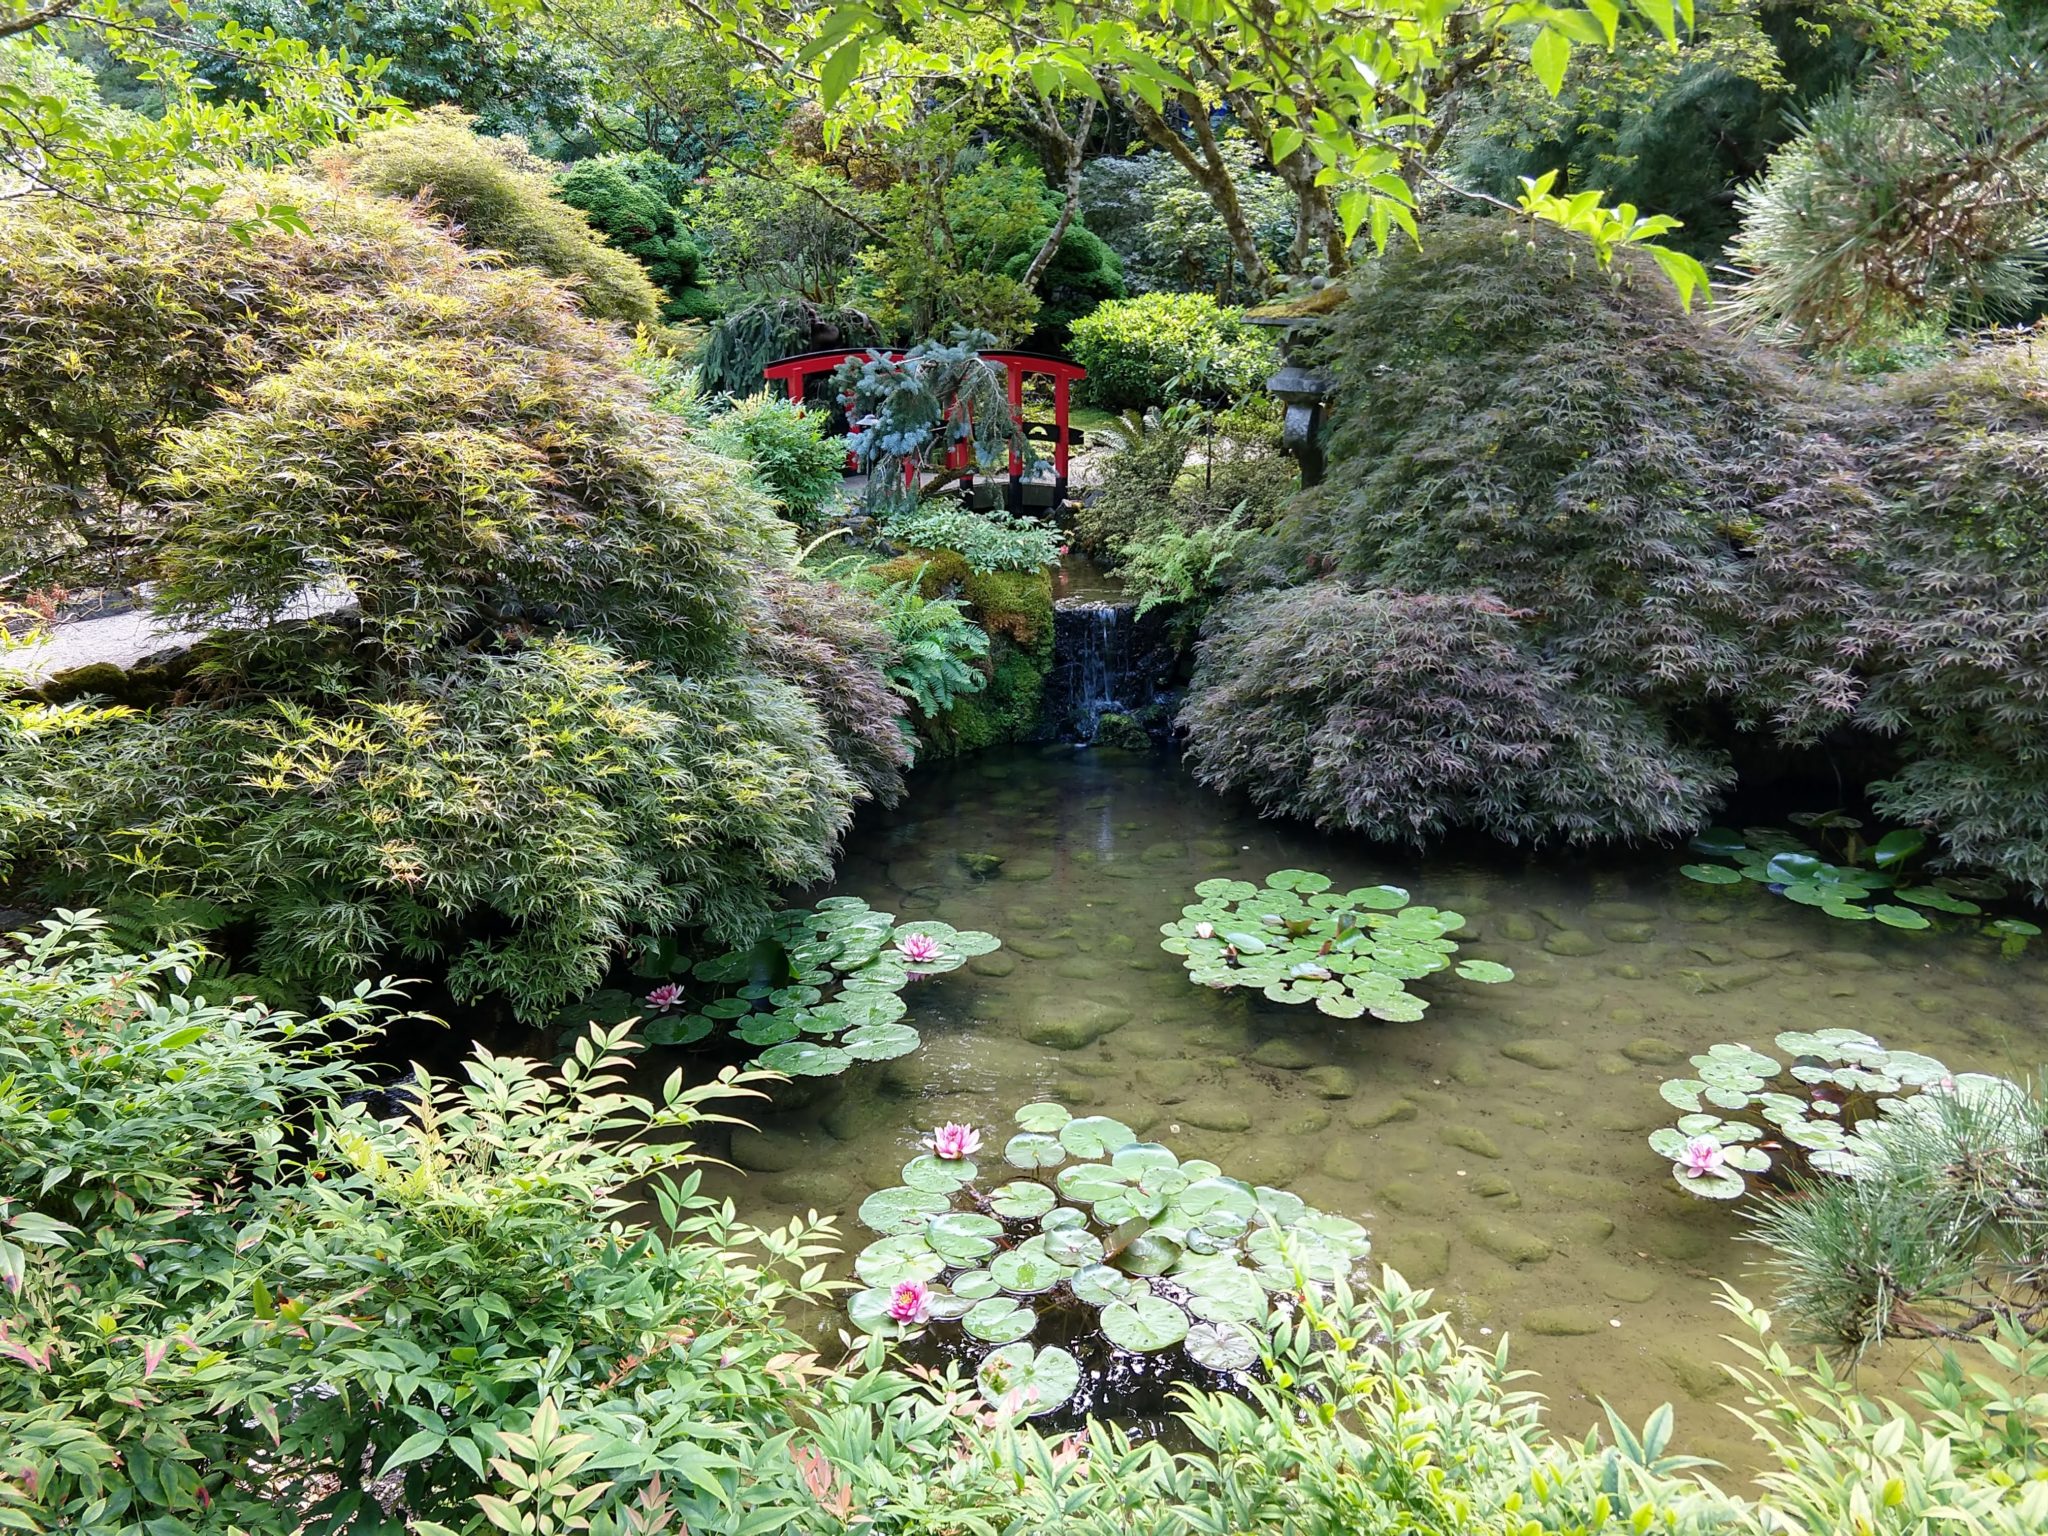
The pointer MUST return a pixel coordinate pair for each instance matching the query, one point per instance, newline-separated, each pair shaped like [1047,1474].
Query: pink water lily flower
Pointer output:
[1702,1156]
[666,996]
[910,1302]
[953,1142]
[918,947]
[1205,930]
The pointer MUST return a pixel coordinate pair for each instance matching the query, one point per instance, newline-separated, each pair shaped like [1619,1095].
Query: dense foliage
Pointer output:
[632,201]
[796,463]
[495,195]
[1161,347]
[504,666]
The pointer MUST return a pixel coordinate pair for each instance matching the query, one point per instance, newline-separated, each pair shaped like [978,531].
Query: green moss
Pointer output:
[1015,609]
[1016,604]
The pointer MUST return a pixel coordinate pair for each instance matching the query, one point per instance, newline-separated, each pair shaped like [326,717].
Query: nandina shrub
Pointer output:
[1404,717]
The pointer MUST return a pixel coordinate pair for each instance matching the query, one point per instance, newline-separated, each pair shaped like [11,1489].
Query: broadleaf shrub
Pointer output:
[1407,716]
[1160,347]
[785,443]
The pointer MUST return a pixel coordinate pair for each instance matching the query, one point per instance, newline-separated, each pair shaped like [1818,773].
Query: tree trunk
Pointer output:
[1070,147]
[1212,175]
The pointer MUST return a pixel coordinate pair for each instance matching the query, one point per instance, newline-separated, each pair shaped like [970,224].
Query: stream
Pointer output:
[1495,1149]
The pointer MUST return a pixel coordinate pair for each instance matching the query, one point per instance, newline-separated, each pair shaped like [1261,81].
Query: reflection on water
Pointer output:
[1496,1149]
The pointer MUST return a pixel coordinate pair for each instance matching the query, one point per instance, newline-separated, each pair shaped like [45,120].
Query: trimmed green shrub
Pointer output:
[1161,347]
[795,462]
[1083,273]
[632,200]
[496,196]
[1404,717]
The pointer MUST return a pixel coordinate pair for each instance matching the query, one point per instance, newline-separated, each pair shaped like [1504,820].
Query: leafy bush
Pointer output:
[1161,347]
[452,52]
[631,200]
[572,695]
[988,541]
[496,196]
[1296,693]
[296,1315]
[797,464]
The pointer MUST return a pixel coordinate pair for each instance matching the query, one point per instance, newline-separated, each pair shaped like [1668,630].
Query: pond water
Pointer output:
[1495,1149]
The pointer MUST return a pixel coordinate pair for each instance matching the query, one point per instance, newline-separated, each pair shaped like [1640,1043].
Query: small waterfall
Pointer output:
[1095,641]
[1104,662]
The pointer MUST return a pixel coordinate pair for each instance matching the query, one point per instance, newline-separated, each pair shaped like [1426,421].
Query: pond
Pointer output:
[1495,1149]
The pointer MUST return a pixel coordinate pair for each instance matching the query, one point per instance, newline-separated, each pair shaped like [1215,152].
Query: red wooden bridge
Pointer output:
[796,370]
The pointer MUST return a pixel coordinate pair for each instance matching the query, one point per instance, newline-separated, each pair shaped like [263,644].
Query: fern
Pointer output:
[937,648]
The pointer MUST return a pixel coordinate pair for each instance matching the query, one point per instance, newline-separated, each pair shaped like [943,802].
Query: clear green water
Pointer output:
[1495,1149]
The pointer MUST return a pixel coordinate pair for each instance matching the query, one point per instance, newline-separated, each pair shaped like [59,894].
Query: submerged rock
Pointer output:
[1513,1244]
[1077,1024]
[982,866]
[1572,943]
[1375,1113]
[1283,1054]
[1651,1052]
[1332,1082]
[1214,1114]
[1563,1322]
[1422,1255]
[1471,1139]
[1544,1055]
[997,962]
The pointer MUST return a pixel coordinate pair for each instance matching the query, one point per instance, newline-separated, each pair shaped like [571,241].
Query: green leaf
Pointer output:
[999,1320]
[1019,1379]
[1711,874]
[1549,56]
[1224,1346]
[1142,1326]
[838,70]
[416,1447]
[1897,847]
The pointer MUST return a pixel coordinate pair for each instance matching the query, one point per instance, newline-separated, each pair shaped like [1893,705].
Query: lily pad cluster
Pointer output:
[1080,1247]
[818,992]
[1749,1114]
[1350,953]
[1861,883]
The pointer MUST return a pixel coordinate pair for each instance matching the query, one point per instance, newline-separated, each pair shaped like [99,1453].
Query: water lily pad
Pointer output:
[1028,1271]
[1099,1285]
[1711,874]
[970,942]
[1226,890]
[805,1058]
[1894,916]
[1720,841]
[963,1236]
[1149,1323]
[1153,1253]
[1028,1149]
[894,1260]
[1710,1186]
[1022,1380]
[1897,847]
[901,1209]
[1072,1246]
[1222,1346]
[880,1042]
[1485,971]
[869,1312]
[1046,1118]
[941,1174]
[1936,900]
[999,1320]
[1224,1293]
[1095,1136]
[974,1285]
[684,1029]
[1022,1200]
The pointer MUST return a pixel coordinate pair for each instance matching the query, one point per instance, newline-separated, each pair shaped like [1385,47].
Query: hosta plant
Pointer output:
[1348,952]
[1053,1262]
[818,992]
[1746,1113]
[1861,882]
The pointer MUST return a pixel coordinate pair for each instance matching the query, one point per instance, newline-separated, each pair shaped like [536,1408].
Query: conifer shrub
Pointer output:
[495,195]
[631,200]
[1083,273]
[1408,716]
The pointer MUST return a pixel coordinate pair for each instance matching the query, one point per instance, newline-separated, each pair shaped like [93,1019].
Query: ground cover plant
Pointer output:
[1095,1247]
[1350,953]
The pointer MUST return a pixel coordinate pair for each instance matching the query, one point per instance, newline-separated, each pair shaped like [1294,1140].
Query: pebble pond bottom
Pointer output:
[1495,1149]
